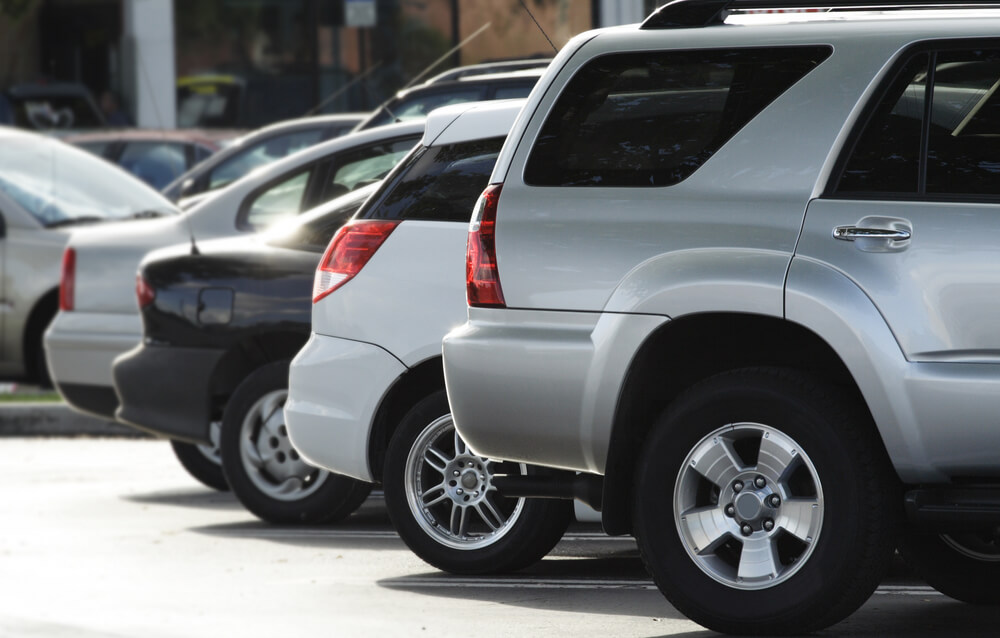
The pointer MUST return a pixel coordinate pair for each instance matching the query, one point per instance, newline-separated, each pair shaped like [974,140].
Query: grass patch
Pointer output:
[33,397]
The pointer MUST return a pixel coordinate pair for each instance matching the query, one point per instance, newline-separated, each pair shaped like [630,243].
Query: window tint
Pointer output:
[886,158]
[263,152]
[512,92]
[439,183]
[364,166]
[283,199]
[960,155]
[651,119]
[156,163]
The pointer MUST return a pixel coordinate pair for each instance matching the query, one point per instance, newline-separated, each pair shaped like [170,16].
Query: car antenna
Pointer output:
[539,26]
[447,54]
[190,228]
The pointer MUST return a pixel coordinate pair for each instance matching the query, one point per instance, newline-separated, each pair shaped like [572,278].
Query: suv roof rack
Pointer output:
[686,14]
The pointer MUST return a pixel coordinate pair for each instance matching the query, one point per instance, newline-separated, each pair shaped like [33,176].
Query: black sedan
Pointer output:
[221,322]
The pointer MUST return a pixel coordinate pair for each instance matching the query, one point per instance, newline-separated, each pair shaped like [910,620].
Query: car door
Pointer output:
[912,214]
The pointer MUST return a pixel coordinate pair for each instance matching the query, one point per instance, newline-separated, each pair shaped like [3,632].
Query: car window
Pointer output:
[156,163]
[512,92]
[263,152]
[653,118]
[959,137]
[279,201]
[439,183]
[363,166]
[315,233]
[97,148]
[416,106]
[60,184]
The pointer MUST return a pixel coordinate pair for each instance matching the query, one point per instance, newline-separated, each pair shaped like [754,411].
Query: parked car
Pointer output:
[100,319]
[486,68]
[255,150]
[366,398]
[154,156]
[219,328]
[421,100]
[48,188]
[47,106]
[733,275]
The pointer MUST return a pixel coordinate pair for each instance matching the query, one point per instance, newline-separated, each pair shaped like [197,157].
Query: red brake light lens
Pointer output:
[144,292]
[67,280]
[482,279]
[348,252]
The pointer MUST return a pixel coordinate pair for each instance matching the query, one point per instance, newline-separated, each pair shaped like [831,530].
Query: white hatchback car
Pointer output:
[99,319]
[366,394]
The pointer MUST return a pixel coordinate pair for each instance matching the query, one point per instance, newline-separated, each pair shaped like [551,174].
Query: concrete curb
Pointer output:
[56,419]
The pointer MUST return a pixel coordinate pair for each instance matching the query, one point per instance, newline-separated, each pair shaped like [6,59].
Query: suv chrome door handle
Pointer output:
[850,233]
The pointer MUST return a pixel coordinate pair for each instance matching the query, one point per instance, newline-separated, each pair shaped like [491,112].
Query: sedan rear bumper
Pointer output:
[167,390]
[335,388]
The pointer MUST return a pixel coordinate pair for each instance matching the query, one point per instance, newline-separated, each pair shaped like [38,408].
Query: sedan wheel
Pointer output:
[265,472]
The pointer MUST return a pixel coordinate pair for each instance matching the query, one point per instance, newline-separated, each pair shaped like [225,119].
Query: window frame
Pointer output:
[865,119]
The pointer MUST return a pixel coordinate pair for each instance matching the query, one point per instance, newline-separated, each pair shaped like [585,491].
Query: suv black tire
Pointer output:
[335,499]
[530,536]
[202,468]
[965,567]
[857,493]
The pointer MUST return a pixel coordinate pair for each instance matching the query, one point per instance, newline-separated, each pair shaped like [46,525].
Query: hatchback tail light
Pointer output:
[67,280]
[482,279]
[348,252]
[144,292]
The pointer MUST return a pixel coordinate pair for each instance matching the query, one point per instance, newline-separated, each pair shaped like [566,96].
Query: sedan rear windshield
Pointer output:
[59,184]
[438,183]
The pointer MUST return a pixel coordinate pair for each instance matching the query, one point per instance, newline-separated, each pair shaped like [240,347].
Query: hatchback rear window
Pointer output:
[653,118]
[440,183]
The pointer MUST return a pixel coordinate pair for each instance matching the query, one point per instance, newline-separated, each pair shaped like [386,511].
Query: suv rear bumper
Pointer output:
[80,348]
[561,376]
[334,388]
[167,390]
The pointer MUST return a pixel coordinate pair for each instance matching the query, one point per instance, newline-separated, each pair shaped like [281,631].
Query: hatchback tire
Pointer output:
[444,507]
[265,472]
[765,504]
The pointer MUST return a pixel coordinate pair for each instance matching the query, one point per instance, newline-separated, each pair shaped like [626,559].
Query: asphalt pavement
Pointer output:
[110,537]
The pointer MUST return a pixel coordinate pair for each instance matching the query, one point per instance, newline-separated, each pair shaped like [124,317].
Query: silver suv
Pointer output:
[741,270]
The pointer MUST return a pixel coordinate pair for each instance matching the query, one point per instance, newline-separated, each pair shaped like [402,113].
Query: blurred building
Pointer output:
[246,63]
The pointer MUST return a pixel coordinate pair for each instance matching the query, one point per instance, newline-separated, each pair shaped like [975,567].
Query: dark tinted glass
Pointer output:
[651,119]
[963,147]
[886,158]
[441,183]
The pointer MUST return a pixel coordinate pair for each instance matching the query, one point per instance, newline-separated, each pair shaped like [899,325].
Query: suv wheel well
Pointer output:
[685,351]
[246,356]
[38,320]
[412,386]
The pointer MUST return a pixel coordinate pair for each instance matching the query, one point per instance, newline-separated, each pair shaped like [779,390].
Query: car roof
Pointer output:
[486,68]
[470,121]
[212,137]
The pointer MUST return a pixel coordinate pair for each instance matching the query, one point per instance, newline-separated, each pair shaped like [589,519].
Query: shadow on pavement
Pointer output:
[195,497]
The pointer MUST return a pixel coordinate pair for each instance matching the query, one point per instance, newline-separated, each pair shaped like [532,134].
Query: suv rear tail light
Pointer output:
[144,292]
[348,252]
[67,280]
[482,279]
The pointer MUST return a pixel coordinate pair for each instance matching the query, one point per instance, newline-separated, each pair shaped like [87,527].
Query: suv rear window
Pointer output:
[439,183]
[653,118]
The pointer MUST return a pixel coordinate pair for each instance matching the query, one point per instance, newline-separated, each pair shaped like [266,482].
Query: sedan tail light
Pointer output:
[482,279]
[348,252]
[67,280]
[144,292]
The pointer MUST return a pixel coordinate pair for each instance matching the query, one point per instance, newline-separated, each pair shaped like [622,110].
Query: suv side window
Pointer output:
[653,118]
[261,153]
[935,131]
[365,165]
[283,199]
[440,183]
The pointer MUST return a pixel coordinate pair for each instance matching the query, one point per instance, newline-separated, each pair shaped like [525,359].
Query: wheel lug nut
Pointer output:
[737,486]
[745,529]
[455,473]
[475,493]
[730,511]
[460,491]
[471,464]
[759,482]
[774,500]
[768,524]
[482,477]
